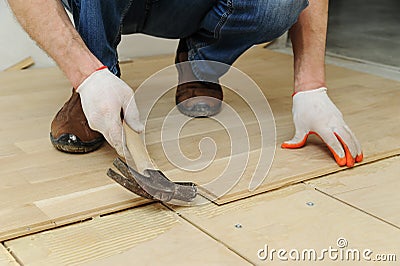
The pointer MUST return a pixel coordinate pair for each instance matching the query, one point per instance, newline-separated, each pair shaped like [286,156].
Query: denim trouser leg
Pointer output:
[99,24]
[216,30]
[233,26]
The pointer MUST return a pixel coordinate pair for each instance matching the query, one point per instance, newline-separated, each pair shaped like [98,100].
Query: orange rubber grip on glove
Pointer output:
[314,113]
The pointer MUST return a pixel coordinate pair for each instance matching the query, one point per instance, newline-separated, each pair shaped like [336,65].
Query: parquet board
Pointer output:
[5,258]
[41,188]
[372,188]
[297,217]
[370,105]
[149,235]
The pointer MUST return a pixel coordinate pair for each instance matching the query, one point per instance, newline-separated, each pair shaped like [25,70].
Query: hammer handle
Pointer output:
[135,144]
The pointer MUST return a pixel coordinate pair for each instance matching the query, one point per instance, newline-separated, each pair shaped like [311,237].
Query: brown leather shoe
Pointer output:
[196,98]
[70,131]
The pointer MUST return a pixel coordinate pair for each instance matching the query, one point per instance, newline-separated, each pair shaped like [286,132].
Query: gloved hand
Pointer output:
[103,96]
[314,113]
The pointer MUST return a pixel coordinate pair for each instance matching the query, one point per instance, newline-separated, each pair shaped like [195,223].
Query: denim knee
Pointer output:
[275,17]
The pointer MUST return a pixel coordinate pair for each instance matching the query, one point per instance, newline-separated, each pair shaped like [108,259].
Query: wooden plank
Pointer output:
[297,217]
[57,195]
[372,188]
[5,257]
[40,179]
[41,188]
[149,235]
[23,64]
[24,219]
[355,94]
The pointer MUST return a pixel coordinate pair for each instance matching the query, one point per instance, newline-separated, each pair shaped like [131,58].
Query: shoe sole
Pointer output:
[69,143]
[200,110]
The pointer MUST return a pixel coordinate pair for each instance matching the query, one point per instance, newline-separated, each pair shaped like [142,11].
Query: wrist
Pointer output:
[81,73]
[319,89]
[90,77]
[78,64]
[309,73]
[307,86]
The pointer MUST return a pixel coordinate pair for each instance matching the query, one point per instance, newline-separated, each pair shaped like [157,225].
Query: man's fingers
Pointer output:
[350,160]
[350,144]
[359,157]
[359,154]
[134,123]
[114,136]
[348,138]
[131,115]
[298,141]
[335,146]
[345,148]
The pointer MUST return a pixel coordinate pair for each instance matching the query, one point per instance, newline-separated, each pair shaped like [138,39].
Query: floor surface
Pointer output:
[356,209]
[351,211]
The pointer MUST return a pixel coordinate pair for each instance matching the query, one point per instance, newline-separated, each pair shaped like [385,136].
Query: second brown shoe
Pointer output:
[70,131]
[195,98]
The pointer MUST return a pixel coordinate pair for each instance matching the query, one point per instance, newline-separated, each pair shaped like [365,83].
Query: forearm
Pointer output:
[308,37]
[48,24]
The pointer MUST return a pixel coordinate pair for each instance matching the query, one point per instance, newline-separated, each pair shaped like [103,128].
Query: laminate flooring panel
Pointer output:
[296,218]
[41,188]
[149,235]
[370,105]
[372,188]
[5,257]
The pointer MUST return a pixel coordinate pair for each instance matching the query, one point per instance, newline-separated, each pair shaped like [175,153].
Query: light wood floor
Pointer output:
[72,214]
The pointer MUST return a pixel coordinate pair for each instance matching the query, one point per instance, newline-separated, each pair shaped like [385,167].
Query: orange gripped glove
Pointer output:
[315,113]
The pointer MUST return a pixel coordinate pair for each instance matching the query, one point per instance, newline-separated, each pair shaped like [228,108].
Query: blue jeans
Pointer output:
[216,30]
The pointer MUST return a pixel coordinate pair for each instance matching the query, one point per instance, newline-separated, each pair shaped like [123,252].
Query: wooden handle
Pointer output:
[135,144]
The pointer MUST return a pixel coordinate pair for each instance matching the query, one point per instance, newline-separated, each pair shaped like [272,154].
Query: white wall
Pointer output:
[15,44]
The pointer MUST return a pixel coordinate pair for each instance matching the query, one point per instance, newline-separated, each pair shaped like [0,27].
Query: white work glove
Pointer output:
[314,113]
[103,96]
